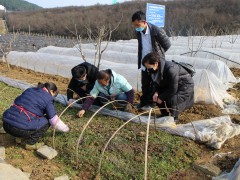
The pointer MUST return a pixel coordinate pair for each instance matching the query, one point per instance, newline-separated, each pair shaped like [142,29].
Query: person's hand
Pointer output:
[159,101]
[113,97]
[155,97]
[81,113]
[70,101]
[128,108]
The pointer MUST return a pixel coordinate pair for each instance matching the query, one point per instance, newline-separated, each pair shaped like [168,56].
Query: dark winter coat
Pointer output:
[75,85]
[160,42]
[36,103]
[174,85]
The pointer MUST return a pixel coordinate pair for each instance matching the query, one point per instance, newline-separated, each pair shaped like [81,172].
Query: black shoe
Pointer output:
[140,105]
[148,106]
[152,105]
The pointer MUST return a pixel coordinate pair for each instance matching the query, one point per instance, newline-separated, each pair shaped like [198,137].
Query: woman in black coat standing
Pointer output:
[173,86]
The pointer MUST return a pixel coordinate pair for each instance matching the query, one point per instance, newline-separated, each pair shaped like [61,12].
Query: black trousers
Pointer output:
[31,136]
[147,93]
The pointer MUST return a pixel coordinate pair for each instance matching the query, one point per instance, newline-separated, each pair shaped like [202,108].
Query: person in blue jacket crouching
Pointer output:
[31,115]
[110,86]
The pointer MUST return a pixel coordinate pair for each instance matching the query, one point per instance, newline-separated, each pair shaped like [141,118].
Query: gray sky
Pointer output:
[61,3]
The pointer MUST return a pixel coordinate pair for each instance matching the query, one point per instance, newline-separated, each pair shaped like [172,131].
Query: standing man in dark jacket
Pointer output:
[83,79]
[150,39]
[173,86]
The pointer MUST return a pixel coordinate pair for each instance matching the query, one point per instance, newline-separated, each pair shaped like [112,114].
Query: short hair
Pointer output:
[103,75]
[78,71]
[139,15]
[151,58]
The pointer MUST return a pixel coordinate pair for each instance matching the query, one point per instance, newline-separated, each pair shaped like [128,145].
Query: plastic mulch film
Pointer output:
[233,175]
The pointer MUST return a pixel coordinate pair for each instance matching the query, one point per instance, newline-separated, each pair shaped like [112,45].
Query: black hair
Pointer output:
[104,74]
[78,71]
[139,15]
[49,86]
[151,58]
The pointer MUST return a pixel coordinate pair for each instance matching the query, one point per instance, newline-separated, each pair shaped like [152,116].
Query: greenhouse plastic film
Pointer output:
[208,88]
[219,68]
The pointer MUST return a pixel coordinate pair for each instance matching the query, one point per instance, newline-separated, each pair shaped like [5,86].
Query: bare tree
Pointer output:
[78,41]
[97,37]
[232,35]
[192,41]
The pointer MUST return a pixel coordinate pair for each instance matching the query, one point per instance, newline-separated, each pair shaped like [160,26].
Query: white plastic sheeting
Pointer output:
[208,88]
[215,41]
[225,46]
[219,68]
[62,65]
[45,63]
[233,175]
[183,46]
[108,55]
[232,108]
[219,55]
[213,132]
[112,46]
[218,40]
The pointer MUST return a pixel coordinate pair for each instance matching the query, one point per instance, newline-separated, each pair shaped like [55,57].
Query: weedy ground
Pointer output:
[124,158]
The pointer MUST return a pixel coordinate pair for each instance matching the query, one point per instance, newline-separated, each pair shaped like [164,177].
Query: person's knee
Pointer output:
[122,96]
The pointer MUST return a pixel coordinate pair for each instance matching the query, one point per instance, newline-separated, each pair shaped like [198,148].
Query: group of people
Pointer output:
[165,84]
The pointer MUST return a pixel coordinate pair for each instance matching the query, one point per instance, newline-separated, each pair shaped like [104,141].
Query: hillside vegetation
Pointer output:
[183,17]
[19,5]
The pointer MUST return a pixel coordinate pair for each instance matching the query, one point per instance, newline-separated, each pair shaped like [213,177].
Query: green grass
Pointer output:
[124,158]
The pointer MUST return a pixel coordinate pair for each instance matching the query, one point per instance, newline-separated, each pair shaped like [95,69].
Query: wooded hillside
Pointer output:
[183,17]
[19,5]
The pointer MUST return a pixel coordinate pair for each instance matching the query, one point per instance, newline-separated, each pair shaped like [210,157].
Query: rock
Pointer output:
[142,134]
[27,174]
[9,172]
[27,169]
[2,131]
[64,177]
[2,152]
[47,152]
[2,161]
[208,168]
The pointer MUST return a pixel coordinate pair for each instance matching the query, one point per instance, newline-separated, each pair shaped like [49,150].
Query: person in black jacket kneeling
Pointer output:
[173,86]
[83,79]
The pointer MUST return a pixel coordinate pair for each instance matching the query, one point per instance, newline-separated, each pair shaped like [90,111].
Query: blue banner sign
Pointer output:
[156,14]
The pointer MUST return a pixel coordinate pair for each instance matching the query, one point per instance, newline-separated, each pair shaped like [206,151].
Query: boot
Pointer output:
[35,146]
